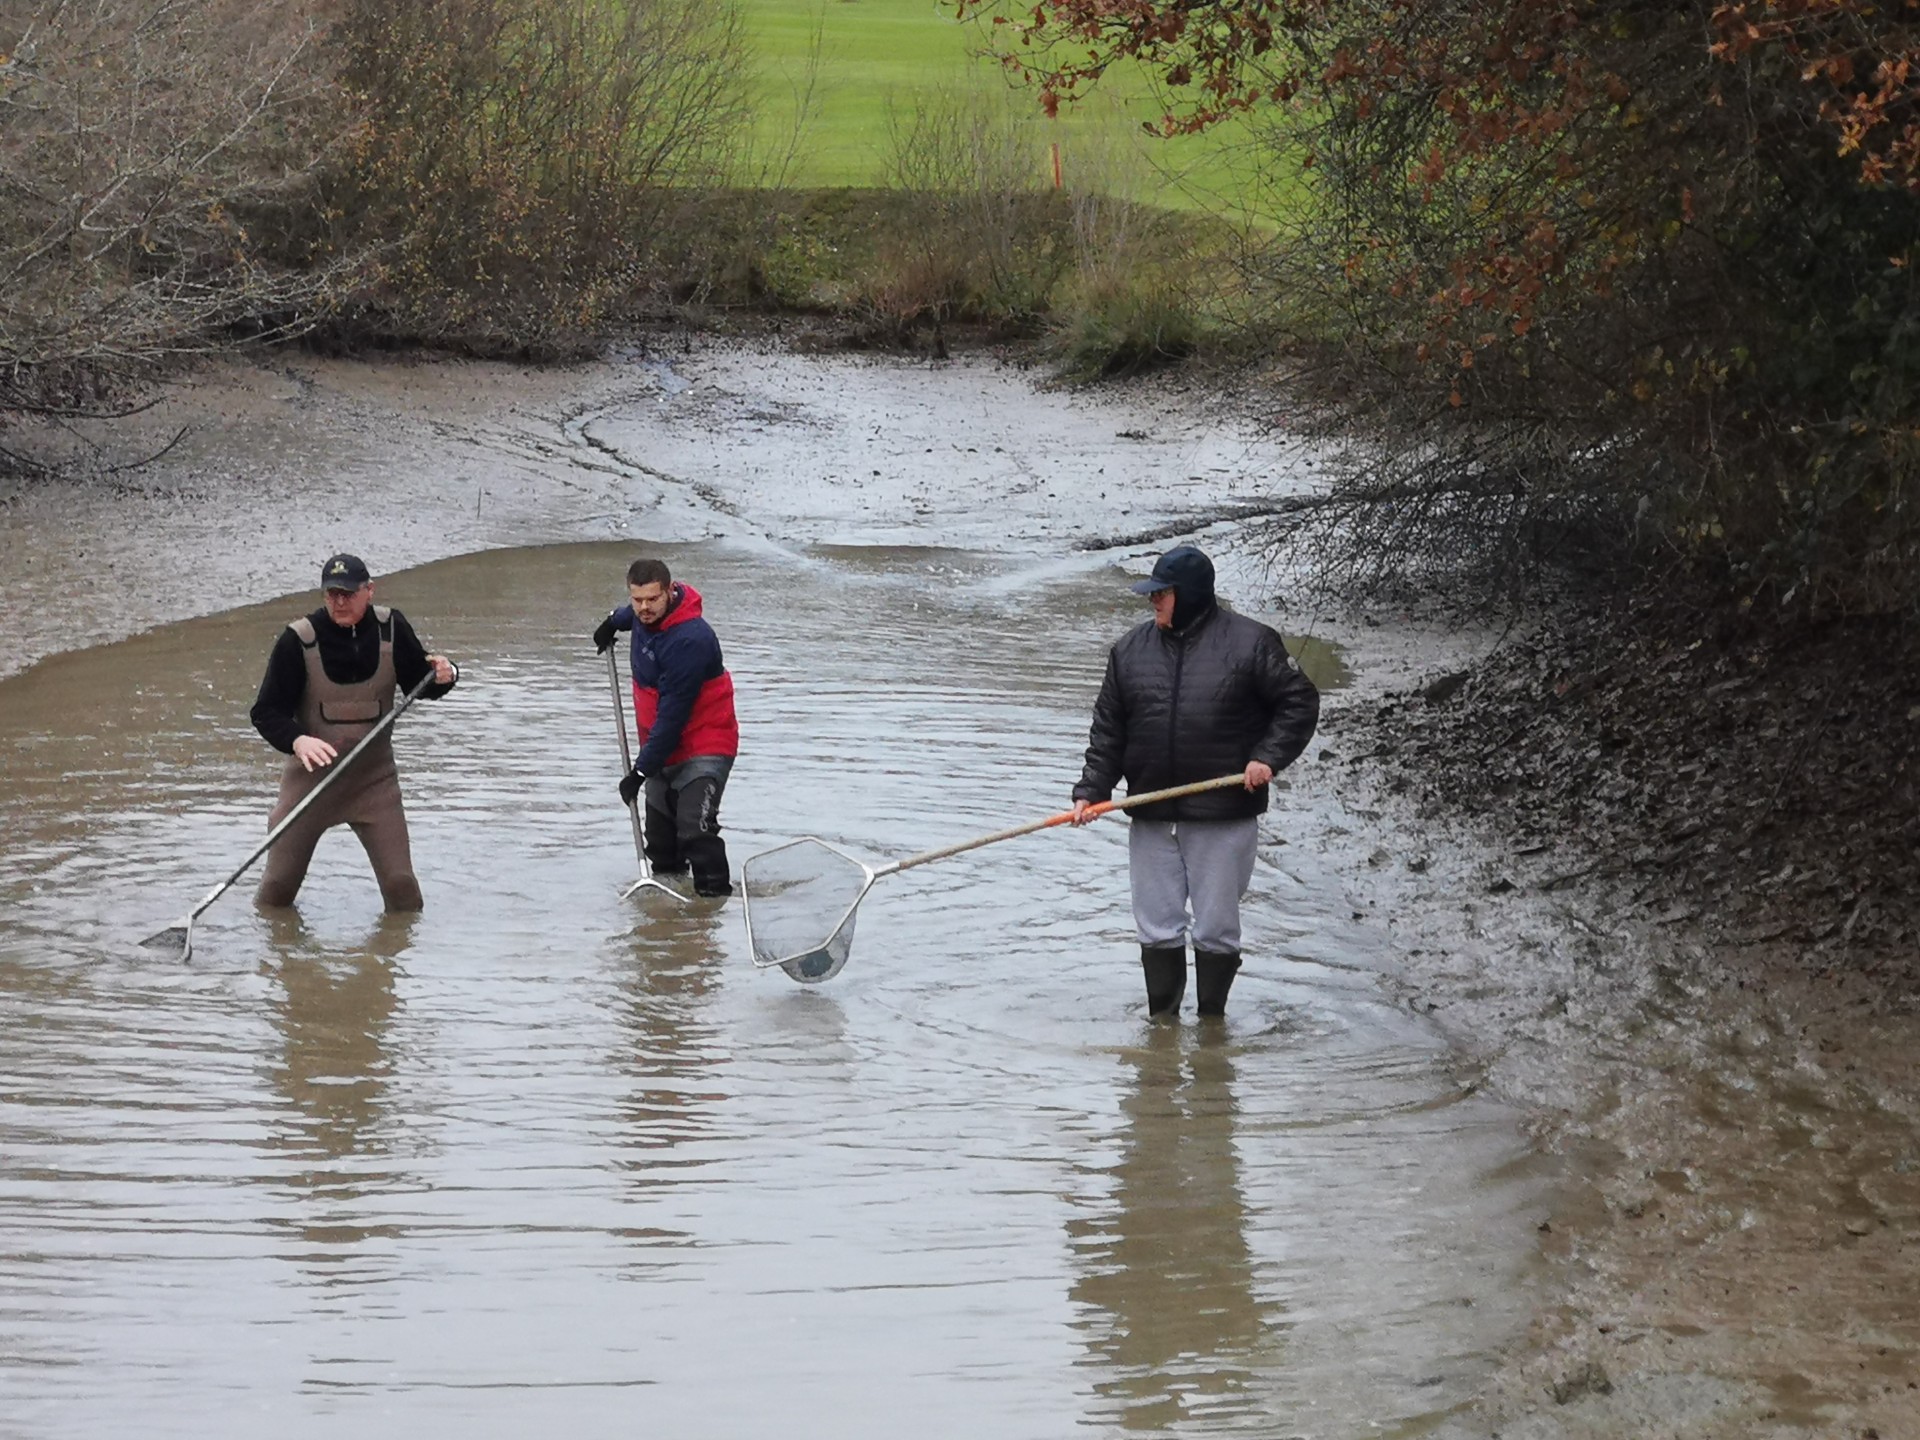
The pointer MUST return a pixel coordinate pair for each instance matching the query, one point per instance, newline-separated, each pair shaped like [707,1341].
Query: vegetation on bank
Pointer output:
[1633,282]
[1098,287]
[1633,279]
[526,177]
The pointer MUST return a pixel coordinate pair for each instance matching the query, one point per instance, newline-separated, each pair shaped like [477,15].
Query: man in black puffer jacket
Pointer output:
[1196,692]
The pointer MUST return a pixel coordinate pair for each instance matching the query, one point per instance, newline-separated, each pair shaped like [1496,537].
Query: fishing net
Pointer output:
[800,901]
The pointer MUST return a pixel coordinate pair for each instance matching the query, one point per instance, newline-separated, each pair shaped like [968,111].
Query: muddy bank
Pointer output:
[1663,880]
[1763,785]
[1735,1256]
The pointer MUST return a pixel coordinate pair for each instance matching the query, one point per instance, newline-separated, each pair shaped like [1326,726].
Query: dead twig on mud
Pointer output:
[1198,520]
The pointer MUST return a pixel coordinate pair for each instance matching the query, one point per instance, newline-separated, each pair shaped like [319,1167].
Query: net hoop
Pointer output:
[808,934]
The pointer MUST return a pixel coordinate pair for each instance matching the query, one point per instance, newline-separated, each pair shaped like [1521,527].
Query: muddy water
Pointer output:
[542,1155]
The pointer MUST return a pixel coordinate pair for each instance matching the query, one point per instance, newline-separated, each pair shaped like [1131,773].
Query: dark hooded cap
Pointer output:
[1189,574]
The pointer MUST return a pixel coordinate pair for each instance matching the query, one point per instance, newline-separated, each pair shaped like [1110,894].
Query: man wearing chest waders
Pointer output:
[689,736]
[1195,692]
[331,675]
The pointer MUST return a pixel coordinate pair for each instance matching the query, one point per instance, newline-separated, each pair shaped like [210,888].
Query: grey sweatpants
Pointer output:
[1200,865]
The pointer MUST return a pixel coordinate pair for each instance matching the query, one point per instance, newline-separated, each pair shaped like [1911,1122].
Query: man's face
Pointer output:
[1163,602]
[347,608]
[650,601]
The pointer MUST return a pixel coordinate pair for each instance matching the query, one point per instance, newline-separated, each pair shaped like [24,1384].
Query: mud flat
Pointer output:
[265,468]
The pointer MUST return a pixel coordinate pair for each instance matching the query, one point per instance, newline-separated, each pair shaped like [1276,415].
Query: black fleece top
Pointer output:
[348,657]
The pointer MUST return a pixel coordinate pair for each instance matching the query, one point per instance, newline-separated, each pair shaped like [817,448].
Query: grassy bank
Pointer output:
[830,81]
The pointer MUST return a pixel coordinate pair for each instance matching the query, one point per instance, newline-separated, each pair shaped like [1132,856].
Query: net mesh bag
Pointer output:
[800,902]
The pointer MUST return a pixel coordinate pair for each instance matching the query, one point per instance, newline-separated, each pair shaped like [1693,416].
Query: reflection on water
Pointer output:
[1167,1273]
[668,1049]
[334,1014]
[542,1155]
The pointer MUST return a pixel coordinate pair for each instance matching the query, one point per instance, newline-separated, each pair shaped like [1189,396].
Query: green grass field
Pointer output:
[866,58]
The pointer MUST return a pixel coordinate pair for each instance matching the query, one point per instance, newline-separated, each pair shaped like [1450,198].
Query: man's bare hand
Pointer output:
[442,669]
[1258,774]
[1082,812]
[312,752]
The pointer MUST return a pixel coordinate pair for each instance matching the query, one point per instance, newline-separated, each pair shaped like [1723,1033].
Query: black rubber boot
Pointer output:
[1166,972]
[697,822]
[1213,972]
[707,854]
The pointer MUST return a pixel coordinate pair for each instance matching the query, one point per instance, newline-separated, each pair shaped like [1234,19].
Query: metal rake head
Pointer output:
[647,882]
[177,938]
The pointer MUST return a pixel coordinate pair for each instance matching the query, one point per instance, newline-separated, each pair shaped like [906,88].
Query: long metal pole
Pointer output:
[633,811]
[626,755]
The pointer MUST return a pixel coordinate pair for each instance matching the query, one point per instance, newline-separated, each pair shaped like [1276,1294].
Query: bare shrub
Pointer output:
[992,239]
[143,144]
[1136,294]
[1121,322]
[523,158]
[728,256]
[1503,506]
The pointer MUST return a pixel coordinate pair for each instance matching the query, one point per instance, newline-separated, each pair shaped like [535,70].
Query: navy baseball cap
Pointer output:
[344,572]
[1182,565]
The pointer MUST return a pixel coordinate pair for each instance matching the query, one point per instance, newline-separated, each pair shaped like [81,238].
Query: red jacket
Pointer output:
[682,693]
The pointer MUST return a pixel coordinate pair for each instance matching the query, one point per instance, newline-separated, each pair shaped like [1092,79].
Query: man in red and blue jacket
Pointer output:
[689,736]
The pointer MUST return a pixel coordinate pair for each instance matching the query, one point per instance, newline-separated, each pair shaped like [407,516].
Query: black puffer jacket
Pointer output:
[1183,705]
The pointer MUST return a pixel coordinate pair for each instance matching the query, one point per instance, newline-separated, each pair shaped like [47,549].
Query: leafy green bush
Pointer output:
[1122,324]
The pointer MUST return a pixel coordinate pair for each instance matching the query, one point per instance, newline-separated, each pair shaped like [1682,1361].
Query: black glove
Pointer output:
[630,784]
[603,635]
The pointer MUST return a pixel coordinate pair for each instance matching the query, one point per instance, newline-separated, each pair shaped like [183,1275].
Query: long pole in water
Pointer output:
[633,811]
[182,934]
[626,755]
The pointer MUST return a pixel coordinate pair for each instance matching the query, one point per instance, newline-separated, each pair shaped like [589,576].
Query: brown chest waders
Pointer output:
[367,798]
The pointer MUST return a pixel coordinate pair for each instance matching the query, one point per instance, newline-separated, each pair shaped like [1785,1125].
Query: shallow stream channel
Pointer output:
[541,1155]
